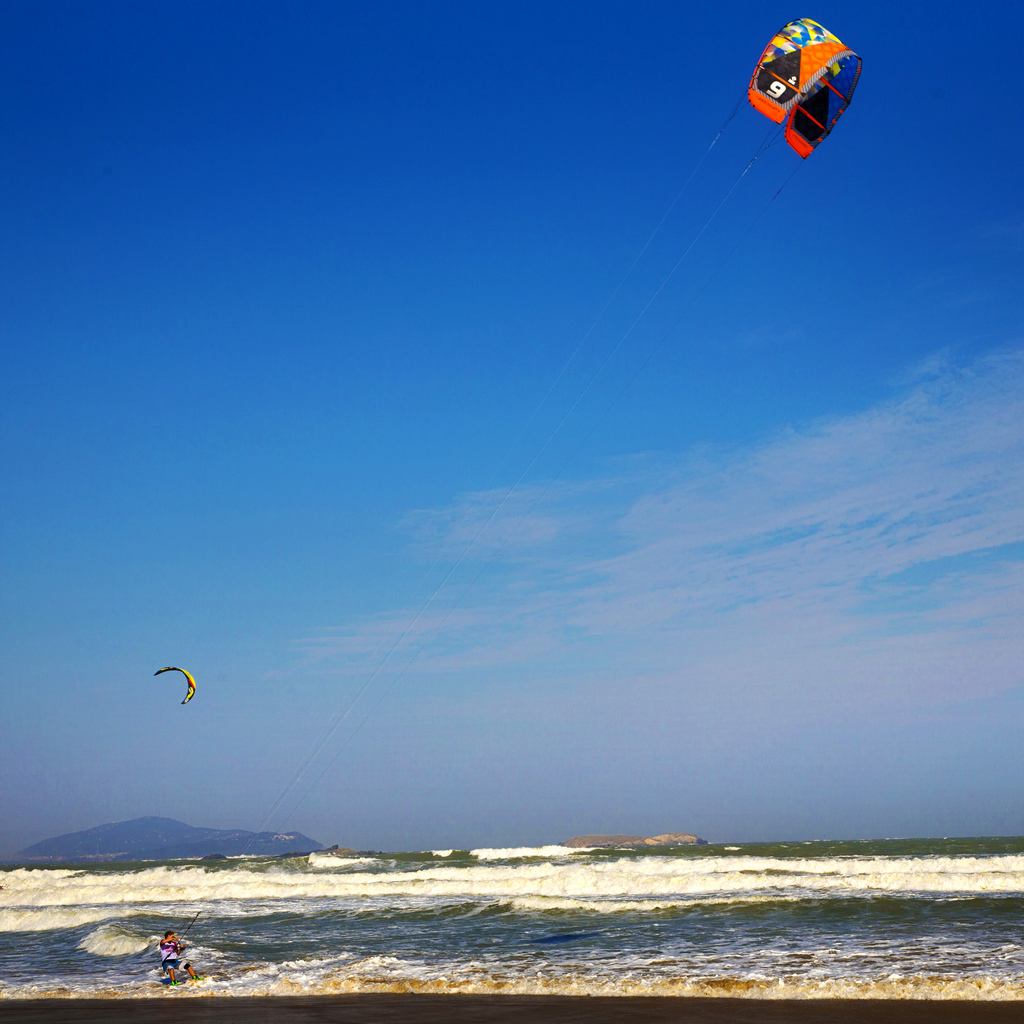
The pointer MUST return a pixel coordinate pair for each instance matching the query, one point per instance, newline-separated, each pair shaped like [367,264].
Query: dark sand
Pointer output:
[430,1009]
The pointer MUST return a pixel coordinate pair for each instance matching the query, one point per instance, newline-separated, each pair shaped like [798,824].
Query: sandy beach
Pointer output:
[371,1009]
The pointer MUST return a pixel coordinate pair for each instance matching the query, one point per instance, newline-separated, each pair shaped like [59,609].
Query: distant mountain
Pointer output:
[162,839]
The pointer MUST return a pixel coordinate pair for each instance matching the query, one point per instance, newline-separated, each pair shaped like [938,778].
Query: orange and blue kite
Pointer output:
[805,77]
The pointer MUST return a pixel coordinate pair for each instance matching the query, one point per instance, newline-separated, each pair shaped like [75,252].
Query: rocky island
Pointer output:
[662,839]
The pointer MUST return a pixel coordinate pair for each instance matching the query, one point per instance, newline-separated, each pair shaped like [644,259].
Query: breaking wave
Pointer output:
[527,852]
[650,877]
[545,904]
[115,940]
[329,860]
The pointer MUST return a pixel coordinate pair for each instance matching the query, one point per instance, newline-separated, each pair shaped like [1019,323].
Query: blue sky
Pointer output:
[322,378]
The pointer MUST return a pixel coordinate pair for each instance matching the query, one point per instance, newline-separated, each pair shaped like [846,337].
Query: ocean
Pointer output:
[881,919]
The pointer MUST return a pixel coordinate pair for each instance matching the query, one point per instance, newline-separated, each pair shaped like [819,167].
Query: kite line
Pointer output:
[343,712]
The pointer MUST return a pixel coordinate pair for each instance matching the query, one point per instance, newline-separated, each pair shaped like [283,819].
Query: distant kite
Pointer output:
[805,77]
[188,676]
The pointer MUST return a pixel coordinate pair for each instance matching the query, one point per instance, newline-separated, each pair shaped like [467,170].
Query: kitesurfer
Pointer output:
[170,957]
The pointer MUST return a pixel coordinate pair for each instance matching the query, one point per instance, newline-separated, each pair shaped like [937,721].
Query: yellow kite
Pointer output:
[188,676]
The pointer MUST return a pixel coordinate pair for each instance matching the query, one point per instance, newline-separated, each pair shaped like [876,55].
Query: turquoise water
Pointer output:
[900,918]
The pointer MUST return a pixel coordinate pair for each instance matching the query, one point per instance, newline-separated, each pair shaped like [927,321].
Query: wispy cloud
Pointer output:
[880,555]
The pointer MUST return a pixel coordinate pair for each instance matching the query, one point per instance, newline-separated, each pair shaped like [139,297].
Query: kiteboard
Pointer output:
[183,981]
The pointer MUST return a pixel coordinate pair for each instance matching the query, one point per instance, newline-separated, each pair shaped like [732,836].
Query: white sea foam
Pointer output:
[526,852]
[330,860]
[346,973]
[442,853]
[27,879]
[533,904]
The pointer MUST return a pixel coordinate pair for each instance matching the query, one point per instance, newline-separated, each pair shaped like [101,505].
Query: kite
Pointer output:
[188,676]
[805,77]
